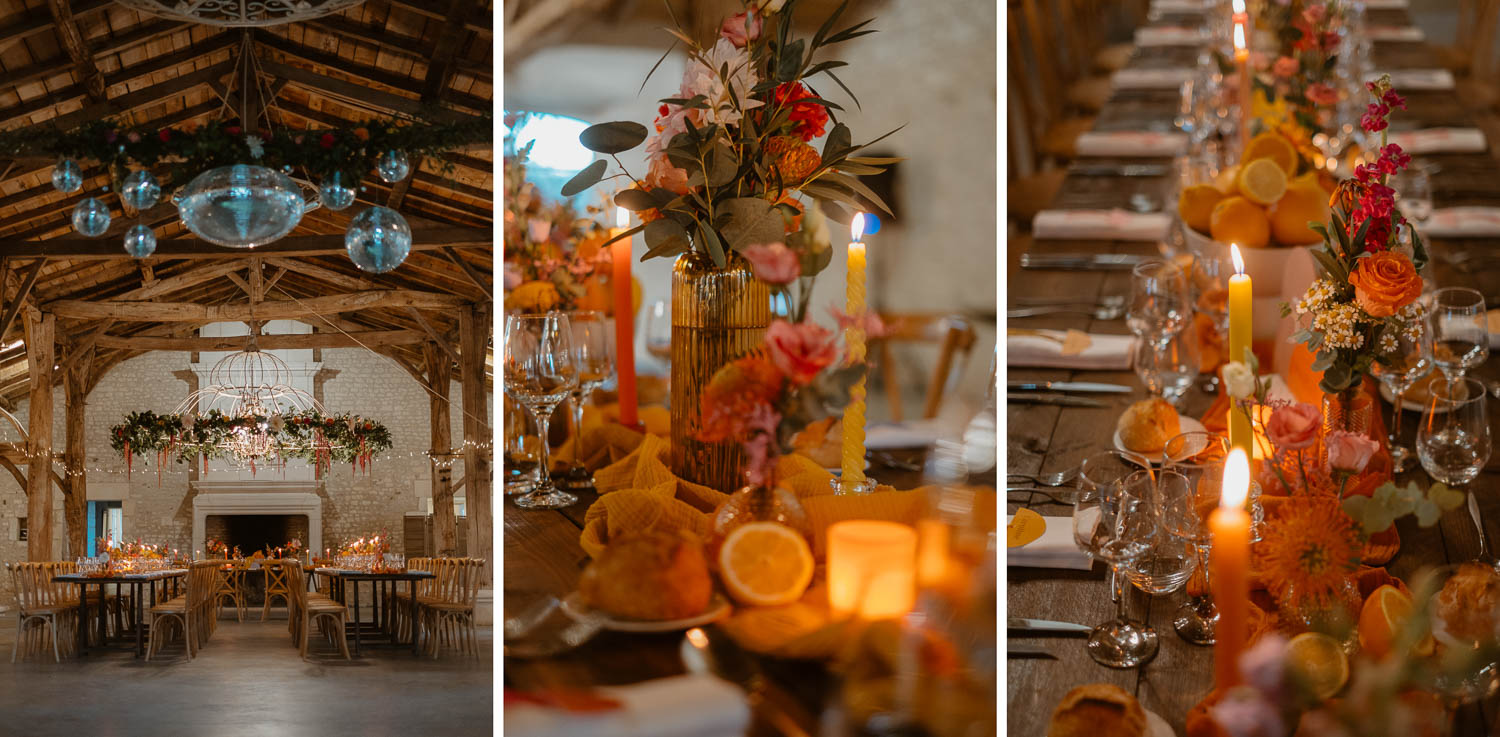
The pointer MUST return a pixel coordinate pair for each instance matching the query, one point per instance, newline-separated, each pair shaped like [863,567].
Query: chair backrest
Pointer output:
[34,585]
[954,337]
[296,580]
[276,575]
[201,581]
[424,586]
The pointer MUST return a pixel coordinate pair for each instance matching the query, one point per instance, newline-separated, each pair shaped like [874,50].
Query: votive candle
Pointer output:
[871,569]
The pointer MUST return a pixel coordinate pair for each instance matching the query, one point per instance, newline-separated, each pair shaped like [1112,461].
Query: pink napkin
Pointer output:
[1131,143]
[1105,352]
[1102,225]
[1169,36]
[1417,79]
[1396,33]
[1441,141]
[1150,79]
[1463,222]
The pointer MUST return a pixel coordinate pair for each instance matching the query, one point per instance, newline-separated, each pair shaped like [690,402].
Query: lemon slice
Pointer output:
[1261,181]
[1275,147]
[765,564]
[1318,661]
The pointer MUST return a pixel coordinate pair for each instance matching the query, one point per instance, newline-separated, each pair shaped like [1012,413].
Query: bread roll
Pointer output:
[1098,710]
[650,576]
[1146,426]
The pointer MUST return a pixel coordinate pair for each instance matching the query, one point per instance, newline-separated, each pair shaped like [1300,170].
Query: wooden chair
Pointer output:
[952,333]
[276,585]
[401,601]
[1035,73]
[307,608]
[1472,46]
[43,611]
[186,611]
[448,617]
[102,605]
[230,584]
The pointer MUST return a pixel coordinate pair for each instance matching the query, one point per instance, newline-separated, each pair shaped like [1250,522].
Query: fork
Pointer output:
[1057,478]
[1046,493]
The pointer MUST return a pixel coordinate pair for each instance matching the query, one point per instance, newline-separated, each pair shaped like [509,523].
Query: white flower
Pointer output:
[1316,297]
[1239,381]
[815,224]
[702,78]
[276,423]
[188,420]
[1388,343]
[1339,325]
[257,149]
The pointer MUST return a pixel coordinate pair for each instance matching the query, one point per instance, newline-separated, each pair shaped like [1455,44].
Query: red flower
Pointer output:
[165,135]
[1328,39]
[233,130]
[1374,118]
[1393,100]
[1322,94]
[326,141]
[807,118]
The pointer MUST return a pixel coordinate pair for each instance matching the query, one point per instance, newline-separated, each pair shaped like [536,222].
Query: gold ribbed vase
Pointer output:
[718,315]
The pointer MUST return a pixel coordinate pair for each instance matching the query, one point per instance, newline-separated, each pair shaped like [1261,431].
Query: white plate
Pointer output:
[1406,404]
[1156,726]
[1185,424]
[574,607]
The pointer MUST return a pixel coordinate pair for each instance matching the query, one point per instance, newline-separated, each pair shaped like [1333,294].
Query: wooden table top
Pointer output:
[120,577]
[1049,438]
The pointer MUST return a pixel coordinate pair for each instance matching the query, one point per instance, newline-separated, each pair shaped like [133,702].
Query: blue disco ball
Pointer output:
[140,241]
[91,217]
[378,240]
[67,177]
[140,190]
[393,166]
[334,194]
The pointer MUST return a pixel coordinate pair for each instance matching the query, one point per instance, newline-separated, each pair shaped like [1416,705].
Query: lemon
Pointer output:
[1303,202]
[1381,619]
[1261,181]
[1225,181]
[765,564]
[1196,205]
[1318,662]
[1238,220]
[1273,146]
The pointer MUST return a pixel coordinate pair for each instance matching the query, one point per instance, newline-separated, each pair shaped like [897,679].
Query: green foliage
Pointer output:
[304,435]
[1390,502]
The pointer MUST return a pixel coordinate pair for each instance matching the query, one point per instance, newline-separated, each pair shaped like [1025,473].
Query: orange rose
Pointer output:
[1385,282]
[362,134]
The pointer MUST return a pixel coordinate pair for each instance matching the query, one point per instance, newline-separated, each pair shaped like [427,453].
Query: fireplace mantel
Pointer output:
[257,497]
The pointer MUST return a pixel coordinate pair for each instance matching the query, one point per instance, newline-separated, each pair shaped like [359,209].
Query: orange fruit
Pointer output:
[1317,661]
[1225,181]
[1196,205]
[1303,202]
[1238,220]
[1382,617]
[765,564]
[1261,181]
[1273,146]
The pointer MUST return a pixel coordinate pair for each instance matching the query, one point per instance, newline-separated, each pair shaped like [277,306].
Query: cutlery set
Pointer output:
[1081,261]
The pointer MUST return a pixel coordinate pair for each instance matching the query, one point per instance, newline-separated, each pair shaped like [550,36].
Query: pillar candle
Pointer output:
[1242,67]
[854,338]
[1241,306]
[624,320]
[1230,568]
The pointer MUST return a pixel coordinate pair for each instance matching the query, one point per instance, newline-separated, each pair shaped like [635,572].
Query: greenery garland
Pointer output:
[349,152]
[353,438]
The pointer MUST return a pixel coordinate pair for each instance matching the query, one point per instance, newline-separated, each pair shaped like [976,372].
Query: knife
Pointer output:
[1068,386]
[1045,625]
[1022,650]
[1057,399]
[1106,261]
[1128,170]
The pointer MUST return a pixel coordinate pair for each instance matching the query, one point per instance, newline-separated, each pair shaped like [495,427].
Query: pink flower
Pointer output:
[513,276]
[741,28]
[1322,94]
[1294,426]
[761,424]
[1263,665]
[773,263]
[800,350]
[1329,39]
[1349,452]
[1373,120]
[873,326]
[540,230]
[662,174]
[1393,100]
[1284,67]
[1314,14]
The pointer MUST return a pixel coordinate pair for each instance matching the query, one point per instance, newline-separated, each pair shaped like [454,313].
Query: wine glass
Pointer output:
[593,357]
[1187,491]
[658,338]
[1454,440]
[1160,305]
[1414,195]
[520,448]
[1410,359]
[1168,370]
[1460,330]
[1114,523]
[540,374]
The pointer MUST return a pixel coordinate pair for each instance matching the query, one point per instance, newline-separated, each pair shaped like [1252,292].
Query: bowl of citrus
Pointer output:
[1263,204]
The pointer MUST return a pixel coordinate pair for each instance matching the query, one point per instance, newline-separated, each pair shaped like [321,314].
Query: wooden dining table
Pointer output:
[1044,438]
[143,594]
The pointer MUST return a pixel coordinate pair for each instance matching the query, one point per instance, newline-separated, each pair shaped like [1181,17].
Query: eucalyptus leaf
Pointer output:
[635,200]
[790,61]
[838,141]
[860,188]
[710,241]
[665,237]
[723,166]
[613,137]
[589,177]
[751,220]
[1445,498]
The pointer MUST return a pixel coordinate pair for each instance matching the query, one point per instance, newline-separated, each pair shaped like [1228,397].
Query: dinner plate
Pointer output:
[1156,726]
[1406,404]
[1185,425]
[574,607]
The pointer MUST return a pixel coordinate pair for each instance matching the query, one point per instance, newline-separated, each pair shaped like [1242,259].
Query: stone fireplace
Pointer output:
[253,514]
[252,532]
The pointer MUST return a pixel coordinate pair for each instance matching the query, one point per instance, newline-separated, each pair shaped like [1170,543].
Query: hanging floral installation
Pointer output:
[310,435]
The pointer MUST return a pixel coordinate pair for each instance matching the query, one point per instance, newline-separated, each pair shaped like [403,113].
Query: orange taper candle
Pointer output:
[1230,567]
[1242,67]
[624,320]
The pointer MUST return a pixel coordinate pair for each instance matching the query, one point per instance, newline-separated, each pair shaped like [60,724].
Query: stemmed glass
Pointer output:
[520,449]
[593,357]
[1188,489]
[1160,307]
[1460,330]
[1112,521]
[658,337]
[540,374]
[1409,360]
[1168,370]
[1454,440]
[1414,195]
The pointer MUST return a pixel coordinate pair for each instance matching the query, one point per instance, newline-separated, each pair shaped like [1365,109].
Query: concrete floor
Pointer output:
[246,682]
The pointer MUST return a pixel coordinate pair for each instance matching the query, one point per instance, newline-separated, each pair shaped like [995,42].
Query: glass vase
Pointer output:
[756,503]
[1350,410]
[1335,613]
[718,315]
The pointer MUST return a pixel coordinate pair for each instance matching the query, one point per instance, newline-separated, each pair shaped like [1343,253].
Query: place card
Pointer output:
[1044,349]
[1441,141]
[1417,79]
[1150,79]
[1396,33]
[1463,222]
[1169,36]
[1053,548]
[1100,225]
[1131,143]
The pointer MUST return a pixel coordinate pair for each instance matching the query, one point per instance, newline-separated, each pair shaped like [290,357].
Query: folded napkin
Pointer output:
[915,434]
[1131,143]
[1441,141]
[1103,225]
[1054,549]
[1105,352]
[1417,79]
[605,440]
[1386,4]
[1463,222]
[1177,6]
[1150,79]
[1396,33]
[1169,36]
[680,706]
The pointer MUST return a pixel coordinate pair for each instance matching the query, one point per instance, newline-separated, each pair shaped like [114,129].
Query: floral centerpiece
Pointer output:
[1298,85]
[218,547]
[311,436]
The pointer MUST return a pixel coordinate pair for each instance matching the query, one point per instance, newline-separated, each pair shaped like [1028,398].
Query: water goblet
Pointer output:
[1414,195]
[1460,330]
[1453,442]
[1167,370]
[658,333]
[1409,359]
[594,361]
[1114,524]
[540,373]
[1159,301]
[1187,491]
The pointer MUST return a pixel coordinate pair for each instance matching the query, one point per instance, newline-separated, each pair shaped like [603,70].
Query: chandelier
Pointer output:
[240,13]
[255,388]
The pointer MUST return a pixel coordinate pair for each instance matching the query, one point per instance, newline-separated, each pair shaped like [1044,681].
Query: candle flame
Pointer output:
[1239,37]
[857,227]
[622,217]
[697,637]
[1234,254]
[1236,480]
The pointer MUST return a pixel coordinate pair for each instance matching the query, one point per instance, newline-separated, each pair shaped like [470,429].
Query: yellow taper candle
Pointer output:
[1241,308]
[854,338]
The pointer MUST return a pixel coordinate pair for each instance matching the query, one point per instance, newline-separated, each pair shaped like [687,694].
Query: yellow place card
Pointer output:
[1024,528]
[1075,342]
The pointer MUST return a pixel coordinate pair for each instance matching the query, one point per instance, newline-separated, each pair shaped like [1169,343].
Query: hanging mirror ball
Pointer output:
[378,240]
[140,190]
[393,166]
[91,217]
[334,194]
[140,241]
[66,176]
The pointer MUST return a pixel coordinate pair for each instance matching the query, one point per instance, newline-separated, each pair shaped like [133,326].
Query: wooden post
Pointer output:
[474,335]
[40,331]
[444,523]
[75,493]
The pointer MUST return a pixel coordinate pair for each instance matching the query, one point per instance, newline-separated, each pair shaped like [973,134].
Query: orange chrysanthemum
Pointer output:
[1309,550]
[733,392]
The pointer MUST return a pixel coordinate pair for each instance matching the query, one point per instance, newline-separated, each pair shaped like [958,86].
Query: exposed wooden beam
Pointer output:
[40,331]
[391,42]
[440,66]
[14,308]
[398,190]
[146,96]
[336,278]
[357,94]
[437,338]
[181,280]
[281,309]
[78,50]
[84,347]
[244,287]
[362,339]
[423,239]
[477,22]
[471,272]
[39,24]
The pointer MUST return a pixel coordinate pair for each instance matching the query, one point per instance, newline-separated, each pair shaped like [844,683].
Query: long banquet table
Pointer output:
[1045,438]
[142,601]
